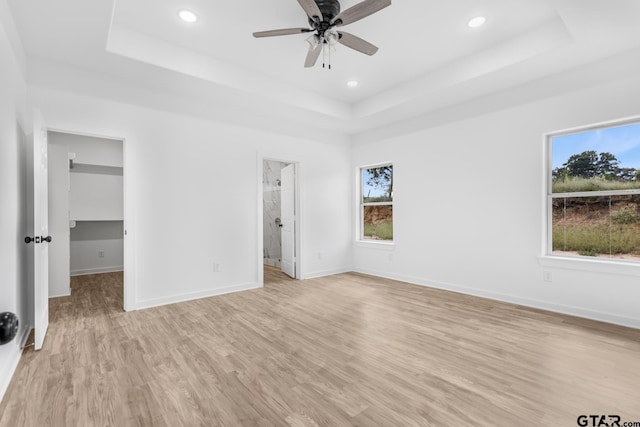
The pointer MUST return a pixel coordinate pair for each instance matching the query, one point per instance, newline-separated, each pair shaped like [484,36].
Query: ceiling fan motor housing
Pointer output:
[323,16]
[329,8]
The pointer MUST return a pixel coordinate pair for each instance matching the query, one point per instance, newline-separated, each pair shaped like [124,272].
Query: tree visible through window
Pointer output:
[376,203]
[594,193]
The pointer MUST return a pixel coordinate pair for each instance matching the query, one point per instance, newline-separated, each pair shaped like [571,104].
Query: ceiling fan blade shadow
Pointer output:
[282,32]
[312,56]
[359,11]
[356,43]
[311,8]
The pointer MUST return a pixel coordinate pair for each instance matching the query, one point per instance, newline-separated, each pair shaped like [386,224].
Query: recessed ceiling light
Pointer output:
[476,22]
[187,16]
[353,83]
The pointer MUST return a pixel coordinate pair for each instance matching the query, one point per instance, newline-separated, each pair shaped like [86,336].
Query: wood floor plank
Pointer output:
[343,350]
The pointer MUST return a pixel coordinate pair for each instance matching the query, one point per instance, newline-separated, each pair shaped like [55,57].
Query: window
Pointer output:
[376,203]
[593,195]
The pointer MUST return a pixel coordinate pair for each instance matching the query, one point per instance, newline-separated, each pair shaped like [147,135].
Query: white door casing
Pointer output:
[40,230]
[288,216]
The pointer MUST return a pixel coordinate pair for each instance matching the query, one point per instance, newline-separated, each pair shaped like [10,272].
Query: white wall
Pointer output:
[14,289]
[96,193]
[191,196]
[92,150]
[97,247]
[468,207]
[95,197]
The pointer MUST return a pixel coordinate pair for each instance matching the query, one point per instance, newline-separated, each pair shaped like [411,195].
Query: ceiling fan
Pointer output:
[324,16]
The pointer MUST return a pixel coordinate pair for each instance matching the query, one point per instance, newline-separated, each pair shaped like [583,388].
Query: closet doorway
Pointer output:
[86,208]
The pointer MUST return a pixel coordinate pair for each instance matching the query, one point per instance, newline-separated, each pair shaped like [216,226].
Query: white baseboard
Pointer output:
[60,295]
[324,273]
[99,270]
[528,302]
[156,302]
[14,359]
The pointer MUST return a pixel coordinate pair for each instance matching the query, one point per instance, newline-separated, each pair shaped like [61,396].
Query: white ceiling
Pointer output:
[428,57]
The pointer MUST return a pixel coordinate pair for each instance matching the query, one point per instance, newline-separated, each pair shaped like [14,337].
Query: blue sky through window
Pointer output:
[621,141]
[371,190]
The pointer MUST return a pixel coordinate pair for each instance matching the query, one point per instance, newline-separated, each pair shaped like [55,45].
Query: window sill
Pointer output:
[384,246]
[606,266]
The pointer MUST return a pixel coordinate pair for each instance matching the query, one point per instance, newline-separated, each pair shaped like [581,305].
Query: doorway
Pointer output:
[280,221]
[86,208]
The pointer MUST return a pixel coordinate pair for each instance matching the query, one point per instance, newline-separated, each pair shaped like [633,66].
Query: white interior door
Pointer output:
[288,216]
[41,236]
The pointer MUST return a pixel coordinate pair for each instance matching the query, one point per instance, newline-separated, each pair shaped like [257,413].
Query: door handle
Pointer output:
[37,239]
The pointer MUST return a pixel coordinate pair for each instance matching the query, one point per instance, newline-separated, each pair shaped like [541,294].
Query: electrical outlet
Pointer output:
[546,275]
[100,254]
[319,255]
[216,267]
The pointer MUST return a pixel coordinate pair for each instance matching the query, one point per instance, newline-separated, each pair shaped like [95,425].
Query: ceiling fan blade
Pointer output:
[356,43]
[311,8]
[312,56]
[359,11]
[283,32]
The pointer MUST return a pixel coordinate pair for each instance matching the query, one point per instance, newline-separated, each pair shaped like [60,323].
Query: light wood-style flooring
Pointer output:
[336,351]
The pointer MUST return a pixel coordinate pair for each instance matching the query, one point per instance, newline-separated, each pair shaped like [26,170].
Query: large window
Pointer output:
[376,203]
[594,193]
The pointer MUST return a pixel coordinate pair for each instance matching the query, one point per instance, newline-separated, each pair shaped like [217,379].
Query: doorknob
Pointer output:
[37,239]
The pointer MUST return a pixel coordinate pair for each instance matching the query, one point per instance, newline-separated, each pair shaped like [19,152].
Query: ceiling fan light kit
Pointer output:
[323,17]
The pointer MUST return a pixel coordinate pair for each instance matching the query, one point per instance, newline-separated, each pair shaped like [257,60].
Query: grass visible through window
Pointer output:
[595,192]
[598,226]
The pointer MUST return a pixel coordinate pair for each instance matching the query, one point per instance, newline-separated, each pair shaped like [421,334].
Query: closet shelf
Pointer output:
[95,169]
[97,219]
[75,220]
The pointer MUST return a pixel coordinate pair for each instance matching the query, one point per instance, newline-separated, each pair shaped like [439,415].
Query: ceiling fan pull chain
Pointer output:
[323,54]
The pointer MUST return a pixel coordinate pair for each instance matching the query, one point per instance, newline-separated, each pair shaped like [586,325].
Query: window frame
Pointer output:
[361,204]
[577,262]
